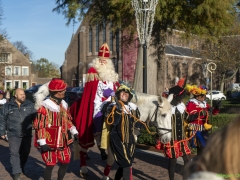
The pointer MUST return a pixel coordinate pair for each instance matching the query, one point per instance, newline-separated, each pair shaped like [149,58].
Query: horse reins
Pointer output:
[155,120]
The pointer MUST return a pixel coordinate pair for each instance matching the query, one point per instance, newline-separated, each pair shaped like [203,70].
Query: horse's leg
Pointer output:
[171,168]
[110,161]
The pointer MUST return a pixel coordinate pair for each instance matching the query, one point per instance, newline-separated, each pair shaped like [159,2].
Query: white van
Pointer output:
[234,87]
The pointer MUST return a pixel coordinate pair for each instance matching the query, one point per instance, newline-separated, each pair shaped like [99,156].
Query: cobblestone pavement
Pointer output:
[147,165]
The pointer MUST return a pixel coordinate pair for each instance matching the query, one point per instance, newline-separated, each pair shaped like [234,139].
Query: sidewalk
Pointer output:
[147,166]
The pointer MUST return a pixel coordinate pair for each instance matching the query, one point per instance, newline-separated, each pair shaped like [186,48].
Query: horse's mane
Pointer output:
[142,98]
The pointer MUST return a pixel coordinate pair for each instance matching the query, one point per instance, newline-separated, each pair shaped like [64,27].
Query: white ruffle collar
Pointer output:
[52,106]
[198,103]
[3,101]
[181,108]
[130,106]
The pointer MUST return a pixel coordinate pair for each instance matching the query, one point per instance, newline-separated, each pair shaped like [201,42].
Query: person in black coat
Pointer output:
[17,116]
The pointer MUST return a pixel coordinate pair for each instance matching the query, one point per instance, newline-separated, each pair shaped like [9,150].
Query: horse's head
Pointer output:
[163,119]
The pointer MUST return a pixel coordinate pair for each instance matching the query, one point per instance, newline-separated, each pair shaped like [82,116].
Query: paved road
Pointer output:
[147,165]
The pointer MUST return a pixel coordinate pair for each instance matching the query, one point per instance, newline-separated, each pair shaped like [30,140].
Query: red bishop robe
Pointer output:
[83,109]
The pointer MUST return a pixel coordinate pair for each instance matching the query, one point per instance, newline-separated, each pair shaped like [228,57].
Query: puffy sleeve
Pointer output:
[39,124]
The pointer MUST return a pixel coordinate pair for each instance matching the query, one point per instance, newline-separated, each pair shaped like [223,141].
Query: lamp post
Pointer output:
[144,12]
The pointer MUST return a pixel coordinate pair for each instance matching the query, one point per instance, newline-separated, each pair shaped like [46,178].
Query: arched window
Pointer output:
[90,40]
[111,38]
[104,32]
[97,38]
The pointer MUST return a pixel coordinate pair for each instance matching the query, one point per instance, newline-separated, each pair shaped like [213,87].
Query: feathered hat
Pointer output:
[178,90]
[195,90]
[104,51]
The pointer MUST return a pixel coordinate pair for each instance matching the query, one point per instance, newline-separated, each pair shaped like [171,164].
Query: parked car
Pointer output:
[31,91]
[80,92]
[72,96]
[234,95]
[216,95]
[75,89]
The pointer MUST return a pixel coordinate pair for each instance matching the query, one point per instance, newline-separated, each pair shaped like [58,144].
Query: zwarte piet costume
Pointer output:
[178,146]
[121,140]
[54,112]
[199,110]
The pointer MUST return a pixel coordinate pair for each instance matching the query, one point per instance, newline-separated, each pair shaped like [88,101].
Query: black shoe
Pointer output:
[87,156]
[104,155]
[16,177]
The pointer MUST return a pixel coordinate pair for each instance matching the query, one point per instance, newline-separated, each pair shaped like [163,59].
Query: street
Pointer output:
[147,165]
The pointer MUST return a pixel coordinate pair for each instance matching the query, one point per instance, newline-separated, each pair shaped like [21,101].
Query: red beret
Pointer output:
[57,85]
[104,51]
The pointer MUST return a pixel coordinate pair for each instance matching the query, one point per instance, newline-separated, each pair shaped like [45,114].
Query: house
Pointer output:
[15,67]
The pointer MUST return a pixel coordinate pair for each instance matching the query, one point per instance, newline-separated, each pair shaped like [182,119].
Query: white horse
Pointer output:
[157,109]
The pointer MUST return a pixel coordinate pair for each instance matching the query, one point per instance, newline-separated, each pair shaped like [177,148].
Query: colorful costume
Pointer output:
[54,112]
[121,142]
[101,82]
[178,146]
[199,111]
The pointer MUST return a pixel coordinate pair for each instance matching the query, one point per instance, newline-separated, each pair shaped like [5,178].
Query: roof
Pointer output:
[180,51]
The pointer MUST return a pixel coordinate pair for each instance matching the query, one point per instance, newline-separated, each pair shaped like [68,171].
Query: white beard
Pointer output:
[105,71]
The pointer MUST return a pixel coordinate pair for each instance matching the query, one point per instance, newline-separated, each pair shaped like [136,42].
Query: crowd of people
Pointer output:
[105,116]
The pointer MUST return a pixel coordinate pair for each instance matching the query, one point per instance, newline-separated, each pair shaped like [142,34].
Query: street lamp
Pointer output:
[144,12]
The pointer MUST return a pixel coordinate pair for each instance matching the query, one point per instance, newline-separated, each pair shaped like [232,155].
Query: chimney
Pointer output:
[26,55]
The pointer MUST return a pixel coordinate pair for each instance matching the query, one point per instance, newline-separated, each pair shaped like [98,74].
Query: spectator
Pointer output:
[17,116]
[2,99]
[8,94]
[2,102]
[219,159]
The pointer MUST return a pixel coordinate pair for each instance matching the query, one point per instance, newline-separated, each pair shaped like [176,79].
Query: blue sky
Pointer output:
[42,31]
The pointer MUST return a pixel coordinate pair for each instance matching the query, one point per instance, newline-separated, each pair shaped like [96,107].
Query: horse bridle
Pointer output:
[155,120]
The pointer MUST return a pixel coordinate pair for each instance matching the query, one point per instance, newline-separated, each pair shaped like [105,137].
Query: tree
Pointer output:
[205,18]
[225,52]
[22,48]
[46,69]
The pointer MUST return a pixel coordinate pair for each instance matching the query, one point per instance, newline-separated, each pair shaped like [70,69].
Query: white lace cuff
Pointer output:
[42,142]
[73,130]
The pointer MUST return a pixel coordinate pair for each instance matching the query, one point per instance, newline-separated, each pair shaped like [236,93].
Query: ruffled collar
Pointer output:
[52,106]
[3,101]
[181,108]
[199,103]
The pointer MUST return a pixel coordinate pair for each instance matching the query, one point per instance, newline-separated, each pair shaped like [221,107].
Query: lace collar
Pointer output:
[52,106]
[199,103]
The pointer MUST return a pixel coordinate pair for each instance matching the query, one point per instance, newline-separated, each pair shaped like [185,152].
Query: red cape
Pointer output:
[82,110]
